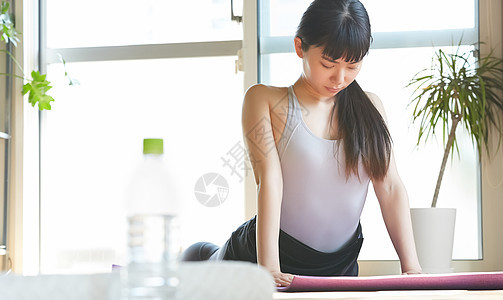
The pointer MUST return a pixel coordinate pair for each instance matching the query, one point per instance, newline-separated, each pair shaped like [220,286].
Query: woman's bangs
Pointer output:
[350,45]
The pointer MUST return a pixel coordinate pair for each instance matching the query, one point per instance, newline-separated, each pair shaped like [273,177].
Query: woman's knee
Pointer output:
[199,251]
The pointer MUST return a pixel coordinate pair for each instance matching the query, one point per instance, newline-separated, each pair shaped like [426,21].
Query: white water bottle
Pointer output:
[154,246]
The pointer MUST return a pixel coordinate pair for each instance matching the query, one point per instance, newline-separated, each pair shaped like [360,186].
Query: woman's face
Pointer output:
[326,76]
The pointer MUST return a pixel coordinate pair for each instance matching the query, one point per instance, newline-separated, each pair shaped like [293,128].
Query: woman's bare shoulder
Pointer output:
[265,93]
[259,100]
[374,98]
[377,103]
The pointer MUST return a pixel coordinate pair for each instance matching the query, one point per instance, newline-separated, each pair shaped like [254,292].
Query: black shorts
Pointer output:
[295,257]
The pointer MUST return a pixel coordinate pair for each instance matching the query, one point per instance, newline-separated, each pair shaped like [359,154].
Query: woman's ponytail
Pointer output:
[363,132]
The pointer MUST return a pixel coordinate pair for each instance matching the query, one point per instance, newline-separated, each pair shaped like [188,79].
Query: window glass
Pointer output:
[92,140]
[412,15]
[281,17]
[386,73]
[96,23]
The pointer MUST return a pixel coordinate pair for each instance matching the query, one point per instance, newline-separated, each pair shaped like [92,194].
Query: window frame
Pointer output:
[5,137]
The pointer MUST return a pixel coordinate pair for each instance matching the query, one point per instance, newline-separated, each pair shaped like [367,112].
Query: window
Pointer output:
[159,69]
[396,55]
[148,70]
[5,117]
[126,22]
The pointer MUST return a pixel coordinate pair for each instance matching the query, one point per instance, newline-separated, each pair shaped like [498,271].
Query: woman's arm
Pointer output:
[395,210]
[259,140]
[394,203]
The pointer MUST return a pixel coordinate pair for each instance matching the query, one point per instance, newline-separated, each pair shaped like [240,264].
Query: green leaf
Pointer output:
[5,7]
[71,81]
[37,91]
[7,31]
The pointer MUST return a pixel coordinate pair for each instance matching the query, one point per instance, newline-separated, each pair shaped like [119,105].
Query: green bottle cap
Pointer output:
[153,146]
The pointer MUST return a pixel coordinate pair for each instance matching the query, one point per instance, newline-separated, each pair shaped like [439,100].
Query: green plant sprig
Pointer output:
[7,30]
[37,86]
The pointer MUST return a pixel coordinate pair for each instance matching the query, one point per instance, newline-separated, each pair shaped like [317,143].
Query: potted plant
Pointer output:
[458,89]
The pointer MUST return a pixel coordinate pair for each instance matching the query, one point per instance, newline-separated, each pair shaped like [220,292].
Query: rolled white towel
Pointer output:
[223,280]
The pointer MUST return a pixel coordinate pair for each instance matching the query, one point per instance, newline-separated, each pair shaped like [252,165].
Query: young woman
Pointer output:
[329,140]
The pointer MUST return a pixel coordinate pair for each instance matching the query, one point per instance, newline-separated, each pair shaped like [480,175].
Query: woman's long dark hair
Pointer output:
[342,29]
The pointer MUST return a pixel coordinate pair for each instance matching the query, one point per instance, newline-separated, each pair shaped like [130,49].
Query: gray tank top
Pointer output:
[320,207]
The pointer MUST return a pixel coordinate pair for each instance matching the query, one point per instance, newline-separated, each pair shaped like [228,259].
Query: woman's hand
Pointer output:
[282,279]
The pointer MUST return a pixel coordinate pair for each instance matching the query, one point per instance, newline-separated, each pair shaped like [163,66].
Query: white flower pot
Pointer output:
[434,237]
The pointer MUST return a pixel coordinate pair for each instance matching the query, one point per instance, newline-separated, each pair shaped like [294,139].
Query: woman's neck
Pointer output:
[305,91]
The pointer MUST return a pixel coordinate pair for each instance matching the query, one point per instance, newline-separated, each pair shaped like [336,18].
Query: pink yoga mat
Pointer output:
[453,281]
